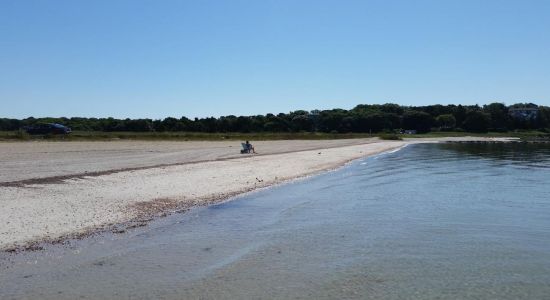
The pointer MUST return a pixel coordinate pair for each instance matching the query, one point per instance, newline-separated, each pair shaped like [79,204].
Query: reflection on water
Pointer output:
[430,221]
[520,155]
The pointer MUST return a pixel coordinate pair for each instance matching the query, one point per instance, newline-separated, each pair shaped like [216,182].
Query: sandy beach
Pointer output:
[49,190]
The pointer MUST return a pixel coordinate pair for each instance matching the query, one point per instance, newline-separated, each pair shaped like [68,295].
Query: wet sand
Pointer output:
[49,191]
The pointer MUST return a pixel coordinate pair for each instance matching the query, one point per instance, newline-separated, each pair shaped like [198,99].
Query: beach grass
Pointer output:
[180,136]
[258,136]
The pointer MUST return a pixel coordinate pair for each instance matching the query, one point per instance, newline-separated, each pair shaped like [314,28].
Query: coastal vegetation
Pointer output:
[20,135]
[385,120]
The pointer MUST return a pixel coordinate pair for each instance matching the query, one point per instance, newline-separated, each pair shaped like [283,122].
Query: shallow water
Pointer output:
[430,221]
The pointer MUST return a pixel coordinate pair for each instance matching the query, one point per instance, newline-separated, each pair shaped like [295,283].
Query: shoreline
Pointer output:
[98,206]
[146,218]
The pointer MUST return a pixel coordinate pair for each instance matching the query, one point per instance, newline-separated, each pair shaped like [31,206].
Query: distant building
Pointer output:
[524,113]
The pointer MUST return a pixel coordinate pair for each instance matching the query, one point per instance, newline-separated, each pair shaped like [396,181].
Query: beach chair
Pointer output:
[245,149]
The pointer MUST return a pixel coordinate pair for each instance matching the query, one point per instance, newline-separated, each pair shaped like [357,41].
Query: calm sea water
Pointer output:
[430,221]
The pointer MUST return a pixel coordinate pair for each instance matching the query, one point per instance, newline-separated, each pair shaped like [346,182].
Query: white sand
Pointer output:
[26,160]
[48,211]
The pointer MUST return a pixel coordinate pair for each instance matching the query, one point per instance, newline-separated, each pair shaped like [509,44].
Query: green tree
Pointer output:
[446,121]
[500,120]
[302,123]
[417,120]
[477,121]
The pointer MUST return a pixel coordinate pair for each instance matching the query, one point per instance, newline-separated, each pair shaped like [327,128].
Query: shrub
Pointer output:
[388,136]
[22,135]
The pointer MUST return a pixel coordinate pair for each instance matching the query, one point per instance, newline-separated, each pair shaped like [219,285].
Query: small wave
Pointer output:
[397,149]
[390,151]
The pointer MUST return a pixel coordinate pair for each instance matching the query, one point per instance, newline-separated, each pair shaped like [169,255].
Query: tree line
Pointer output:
[361,119]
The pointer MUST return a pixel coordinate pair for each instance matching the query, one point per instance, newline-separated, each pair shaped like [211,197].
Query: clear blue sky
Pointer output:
[131,58]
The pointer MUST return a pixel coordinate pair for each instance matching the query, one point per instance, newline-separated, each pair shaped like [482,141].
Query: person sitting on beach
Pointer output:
[249,147]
